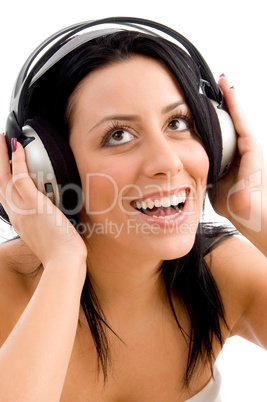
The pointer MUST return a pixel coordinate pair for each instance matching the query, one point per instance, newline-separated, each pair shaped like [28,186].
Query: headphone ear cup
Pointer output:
[224,135]
[228,137]
[52,166]
[216,134]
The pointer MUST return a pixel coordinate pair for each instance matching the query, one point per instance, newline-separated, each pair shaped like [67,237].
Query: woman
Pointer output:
[161,292]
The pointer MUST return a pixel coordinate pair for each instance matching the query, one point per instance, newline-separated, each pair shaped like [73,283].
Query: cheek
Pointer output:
[102,183]
[100,192]
[198,162]
[197,165]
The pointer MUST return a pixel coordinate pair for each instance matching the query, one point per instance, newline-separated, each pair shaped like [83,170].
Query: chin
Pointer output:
[170,249]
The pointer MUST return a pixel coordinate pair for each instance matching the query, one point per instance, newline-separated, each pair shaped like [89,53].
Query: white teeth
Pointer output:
[162,202]
[138,205]
[166,202]
[181,198]
[150,204]
[144,206]
[167,216]
[174,200]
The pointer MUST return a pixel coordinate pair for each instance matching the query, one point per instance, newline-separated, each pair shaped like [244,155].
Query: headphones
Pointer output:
[49,158]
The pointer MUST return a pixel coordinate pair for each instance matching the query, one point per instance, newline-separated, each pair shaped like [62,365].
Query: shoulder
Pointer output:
[240,272]
[16,283]
[235,261]
[16,256]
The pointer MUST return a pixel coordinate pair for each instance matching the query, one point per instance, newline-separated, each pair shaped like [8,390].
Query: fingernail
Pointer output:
[232,87]
[14,144]
[222,75]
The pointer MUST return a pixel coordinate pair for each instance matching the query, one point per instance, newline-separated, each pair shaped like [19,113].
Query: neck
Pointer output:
[124,284]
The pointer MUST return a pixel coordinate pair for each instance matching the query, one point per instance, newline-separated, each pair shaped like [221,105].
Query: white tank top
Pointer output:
[211,392]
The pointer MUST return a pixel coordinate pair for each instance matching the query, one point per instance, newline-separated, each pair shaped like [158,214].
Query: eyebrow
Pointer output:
[172,106]
[133,117]
[123,117]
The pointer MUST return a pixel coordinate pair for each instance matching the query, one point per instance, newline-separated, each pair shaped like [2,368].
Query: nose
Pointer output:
[161,158]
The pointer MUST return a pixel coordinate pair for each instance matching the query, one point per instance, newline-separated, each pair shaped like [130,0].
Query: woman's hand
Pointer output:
[241,195]
[40,224]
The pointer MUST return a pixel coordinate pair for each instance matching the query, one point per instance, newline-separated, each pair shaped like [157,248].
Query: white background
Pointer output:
[231,35]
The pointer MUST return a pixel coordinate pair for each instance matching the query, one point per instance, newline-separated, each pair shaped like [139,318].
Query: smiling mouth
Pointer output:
[167,207]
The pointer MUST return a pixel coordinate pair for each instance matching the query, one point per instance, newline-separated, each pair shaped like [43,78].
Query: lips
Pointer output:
[168,206]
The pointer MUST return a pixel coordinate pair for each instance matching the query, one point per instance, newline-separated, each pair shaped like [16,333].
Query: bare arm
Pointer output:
[242,193]
[240,270]
[239,265]
[34,358]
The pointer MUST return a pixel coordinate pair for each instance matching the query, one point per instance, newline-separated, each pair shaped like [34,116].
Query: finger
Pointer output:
[223,84]
[5,170]
[21,178]
[231,100]
[239,119]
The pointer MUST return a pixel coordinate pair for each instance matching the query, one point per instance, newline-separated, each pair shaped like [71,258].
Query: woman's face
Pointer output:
[143,168]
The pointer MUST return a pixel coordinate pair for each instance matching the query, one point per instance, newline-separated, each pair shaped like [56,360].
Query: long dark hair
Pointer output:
[187,278]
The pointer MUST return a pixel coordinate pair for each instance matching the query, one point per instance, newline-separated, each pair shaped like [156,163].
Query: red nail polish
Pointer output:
[222,75]
[232,87]
[14,144]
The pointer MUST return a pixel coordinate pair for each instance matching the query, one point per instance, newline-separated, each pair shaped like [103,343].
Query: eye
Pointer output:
[178,124]
[119,137]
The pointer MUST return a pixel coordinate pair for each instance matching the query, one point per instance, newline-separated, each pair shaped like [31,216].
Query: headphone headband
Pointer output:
[64,41]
